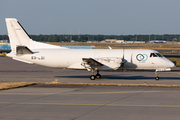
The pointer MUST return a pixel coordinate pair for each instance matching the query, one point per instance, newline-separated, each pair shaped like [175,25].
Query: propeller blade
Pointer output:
[123,60]
[123,53]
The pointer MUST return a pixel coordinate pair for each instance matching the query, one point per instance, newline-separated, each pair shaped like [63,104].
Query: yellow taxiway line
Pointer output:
[81,104]
[112,92]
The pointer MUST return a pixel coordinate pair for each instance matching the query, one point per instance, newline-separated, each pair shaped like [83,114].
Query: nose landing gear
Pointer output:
[157,77]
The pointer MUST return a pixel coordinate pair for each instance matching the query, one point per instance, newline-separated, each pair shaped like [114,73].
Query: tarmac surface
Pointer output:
[15,71]
[46,102]
[65,102]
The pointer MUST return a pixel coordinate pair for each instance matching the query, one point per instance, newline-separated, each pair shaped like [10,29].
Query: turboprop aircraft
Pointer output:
[24,49]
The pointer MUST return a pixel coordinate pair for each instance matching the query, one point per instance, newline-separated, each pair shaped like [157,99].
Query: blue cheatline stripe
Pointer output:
[79,47]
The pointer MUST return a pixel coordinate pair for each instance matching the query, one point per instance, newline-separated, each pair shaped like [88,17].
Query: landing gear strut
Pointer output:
[93,77]
[157,77]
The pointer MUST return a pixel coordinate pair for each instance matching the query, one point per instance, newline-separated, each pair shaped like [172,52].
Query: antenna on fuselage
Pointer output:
[109,47]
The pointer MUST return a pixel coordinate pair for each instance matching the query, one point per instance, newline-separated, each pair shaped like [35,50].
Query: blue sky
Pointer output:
[109,17]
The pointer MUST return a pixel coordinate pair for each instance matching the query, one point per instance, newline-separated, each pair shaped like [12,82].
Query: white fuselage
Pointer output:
[72,58]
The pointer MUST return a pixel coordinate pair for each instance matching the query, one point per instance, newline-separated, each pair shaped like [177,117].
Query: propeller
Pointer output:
[123,60]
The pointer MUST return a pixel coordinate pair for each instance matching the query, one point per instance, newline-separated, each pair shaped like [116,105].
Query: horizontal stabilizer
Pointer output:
[23,61]
[22,50]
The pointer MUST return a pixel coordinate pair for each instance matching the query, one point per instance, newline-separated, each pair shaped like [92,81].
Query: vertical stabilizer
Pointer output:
[17,35]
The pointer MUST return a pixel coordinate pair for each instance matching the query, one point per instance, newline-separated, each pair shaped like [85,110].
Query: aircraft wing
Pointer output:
[108,63]
[92,62]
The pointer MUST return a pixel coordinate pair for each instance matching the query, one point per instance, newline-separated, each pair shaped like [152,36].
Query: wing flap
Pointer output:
[106,63]
[92,62]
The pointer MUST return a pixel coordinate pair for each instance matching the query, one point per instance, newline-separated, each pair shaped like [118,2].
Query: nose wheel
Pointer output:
[157,77]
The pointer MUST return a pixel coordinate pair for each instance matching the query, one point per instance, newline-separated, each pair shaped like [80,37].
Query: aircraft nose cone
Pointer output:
[171,64]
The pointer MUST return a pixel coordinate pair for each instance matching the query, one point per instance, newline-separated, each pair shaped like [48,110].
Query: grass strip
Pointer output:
[104,84]
[11,85]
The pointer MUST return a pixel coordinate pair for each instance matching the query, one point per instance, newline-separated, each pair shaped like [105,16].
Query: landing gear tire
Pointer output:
[98,76]
[156,78]
[92,77]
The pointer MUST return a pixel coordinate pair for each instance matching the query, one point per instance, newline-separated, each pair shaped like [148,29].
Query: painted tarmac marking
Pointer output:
[29,93]
[116,92]
[132,91]
[76,104]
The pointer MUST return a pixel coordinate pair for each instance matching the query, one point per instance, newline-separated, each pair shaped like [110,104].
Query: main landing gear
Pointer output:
[93,77]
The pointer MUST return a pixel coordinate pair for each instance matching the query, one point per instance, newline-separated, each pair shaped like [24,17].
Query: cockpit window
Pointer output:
[160,55]
[156,55]
[153,55]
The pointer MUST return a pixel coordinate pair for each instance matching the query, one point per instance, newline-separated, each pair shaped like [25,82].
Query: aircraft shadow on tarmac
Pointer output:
[122,77]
